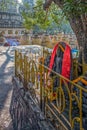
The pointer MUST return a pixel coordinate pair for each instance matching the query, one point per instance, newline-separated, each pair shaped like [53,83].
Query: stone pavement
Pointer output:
[6,72]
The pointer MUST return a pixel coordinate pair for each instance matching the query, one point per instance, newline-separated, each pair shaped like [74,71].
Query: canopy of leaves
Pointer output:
[35,16]
[75,7]
[4,4]
[43,19]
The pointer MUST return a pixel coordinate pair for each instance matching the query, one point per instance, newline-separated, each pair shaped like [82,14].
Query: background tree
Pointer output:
[35,17]
[4,5]
[76,13]
[45,20]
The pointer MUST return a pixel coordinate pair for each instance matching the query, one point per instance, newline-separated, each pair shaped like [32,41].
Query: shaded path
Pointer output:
[6,72]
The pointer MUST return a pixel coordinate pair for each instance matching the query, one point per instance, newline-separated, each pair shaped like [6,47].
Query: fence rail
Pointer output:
[60,99]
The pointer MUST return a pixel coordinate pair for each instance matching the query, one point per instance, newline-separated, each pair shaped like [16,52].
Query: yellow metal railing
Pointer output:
[55,93]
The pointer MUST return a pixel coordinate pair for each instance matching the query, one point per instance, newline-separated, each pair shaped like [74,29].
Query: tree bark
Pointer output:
[78,24]
[80,29]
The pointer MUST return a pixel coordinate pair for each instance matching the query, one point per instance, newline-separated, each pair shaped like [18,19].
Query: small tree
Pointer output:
[42,19]
[35,17]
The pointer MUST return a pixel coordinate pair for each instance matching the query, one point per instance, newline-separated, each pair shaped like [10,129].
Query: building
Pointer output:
[10,18]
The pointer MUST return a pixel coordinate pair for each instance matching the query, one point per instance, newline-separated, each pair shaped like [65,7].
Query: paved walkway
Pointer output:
[6,72]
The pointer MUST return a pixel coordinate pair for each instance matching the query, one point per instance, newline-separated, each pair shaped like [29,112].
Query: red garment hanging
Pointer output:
[66,63]
[53,57]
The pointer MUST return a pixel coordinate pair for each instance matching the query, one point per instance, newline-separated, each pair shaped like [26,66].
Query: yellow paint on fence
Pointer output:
[35,73]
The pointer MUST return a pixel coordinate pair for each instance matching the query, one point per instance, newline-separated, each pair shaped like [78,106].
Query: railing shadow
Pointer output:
[6,71]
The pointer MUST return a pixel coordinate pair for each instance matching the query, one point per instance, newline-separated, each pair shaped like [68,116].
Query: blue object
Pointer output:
[75,53]
[12,42]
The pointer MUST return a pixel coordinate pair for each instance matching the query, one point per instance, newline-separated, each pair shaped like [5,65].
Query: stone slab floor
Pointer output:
[6,72]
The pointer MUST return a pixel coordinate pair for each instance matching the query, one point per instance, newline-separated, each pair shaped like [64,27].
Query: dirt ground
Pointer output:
[6,72]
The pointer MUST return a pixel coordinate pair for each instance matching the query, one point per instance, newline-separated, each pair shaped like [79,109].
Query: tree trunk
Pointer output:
[80,30]
[79,26]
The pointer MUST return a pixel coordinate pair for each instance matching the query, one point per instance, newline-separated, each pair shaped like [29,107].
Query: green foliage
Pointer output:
[35,16]
[4,4]
[74,7]
[43,19]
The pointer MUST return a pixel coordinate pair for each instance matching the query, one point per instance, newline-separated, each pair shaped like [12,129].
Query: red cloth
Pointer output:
[53,57]
[66,63]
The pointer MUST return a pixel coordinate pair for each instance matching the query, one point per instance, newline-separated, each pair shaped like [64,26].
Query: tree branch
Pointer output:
[47,4]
